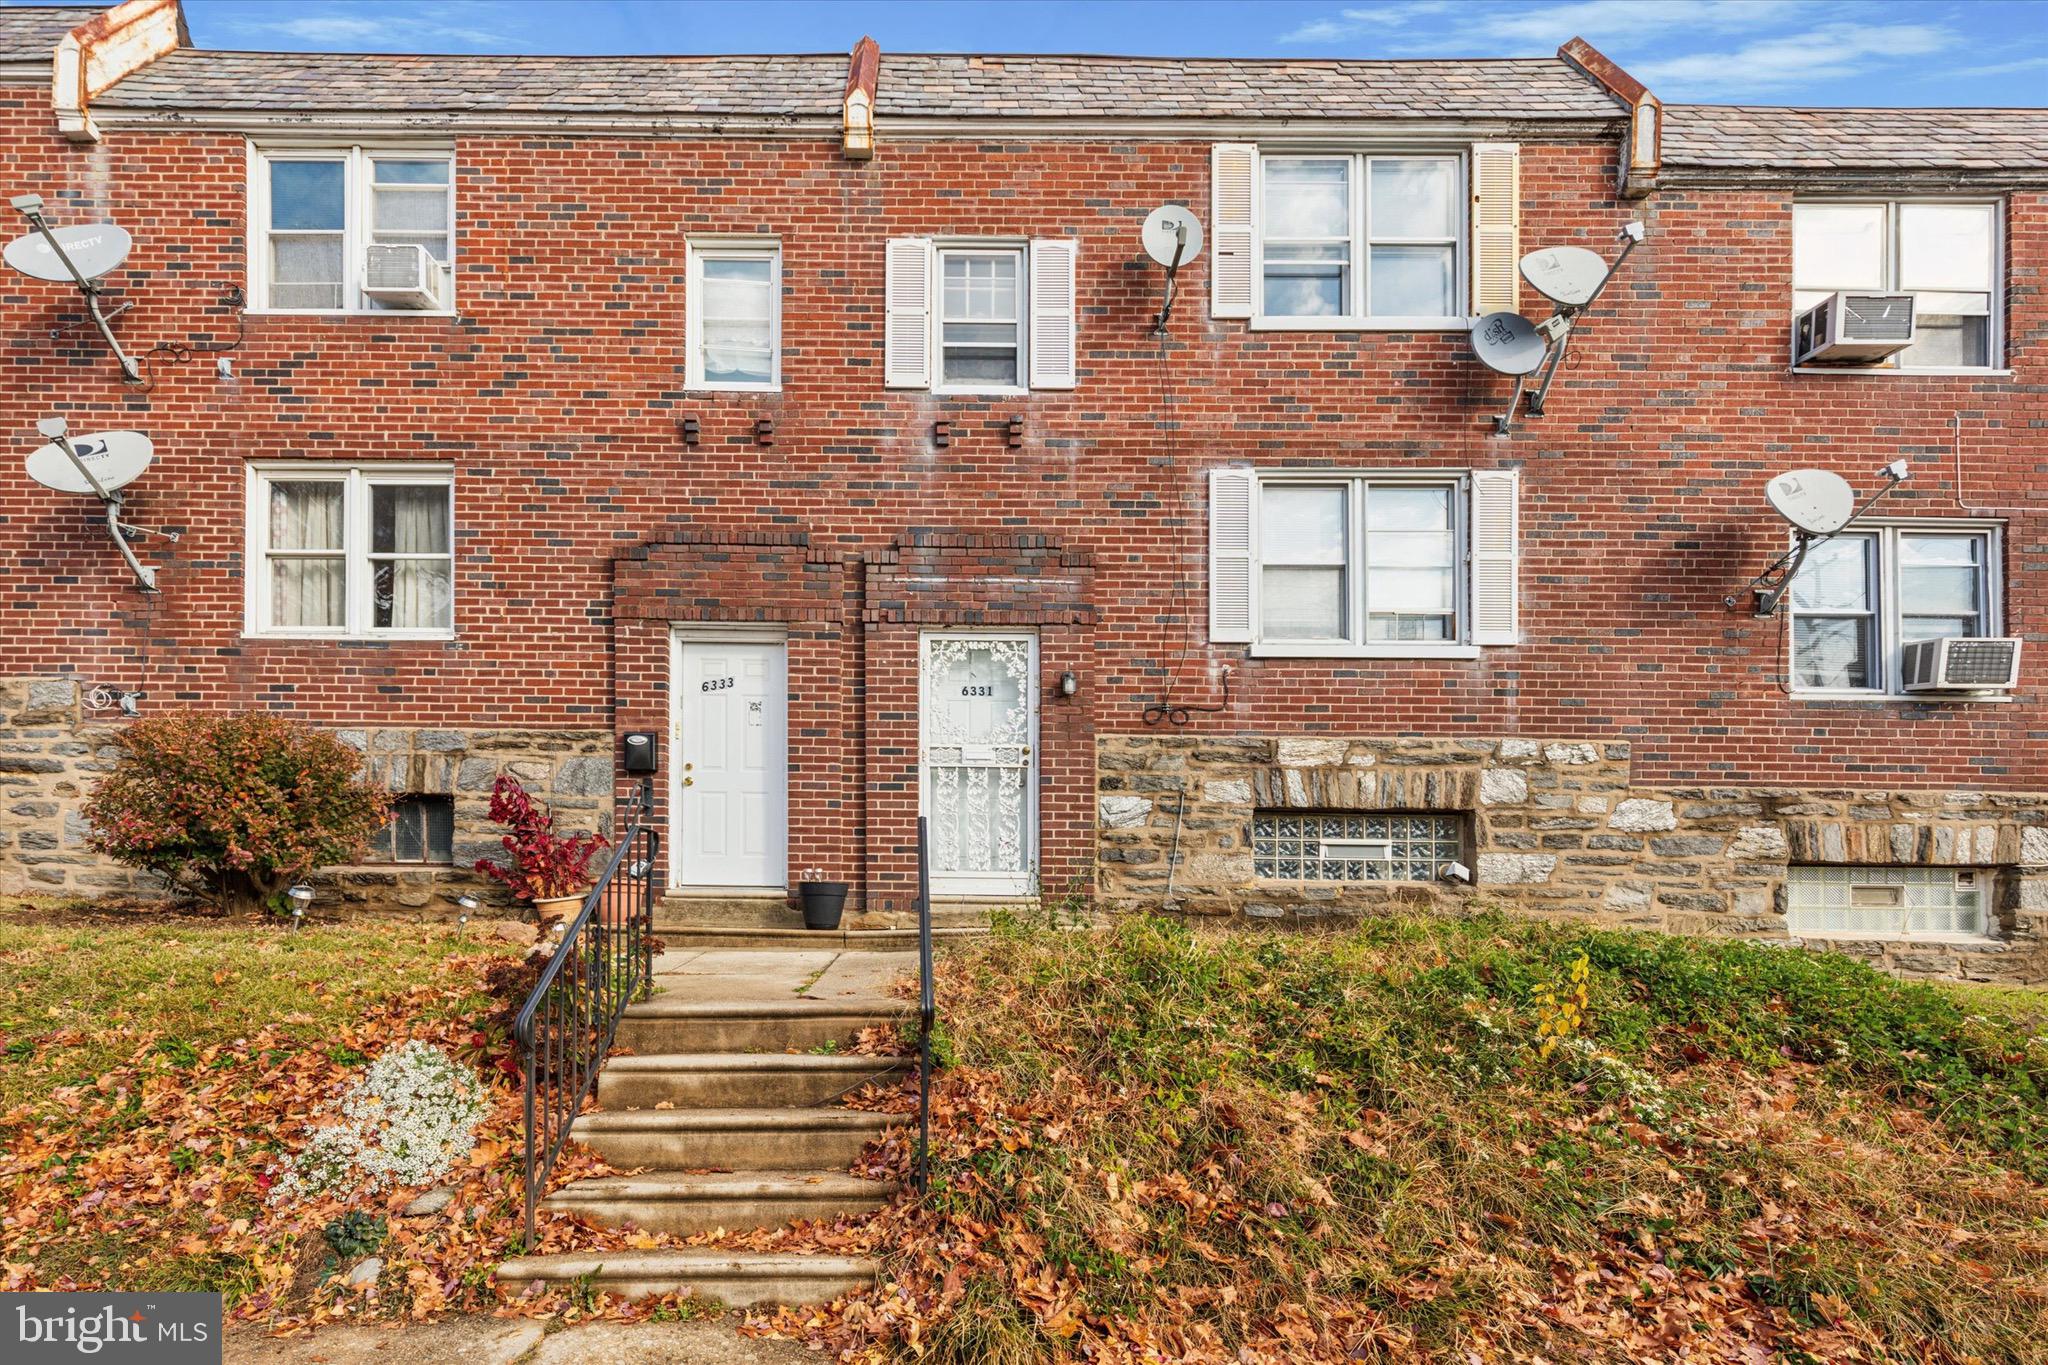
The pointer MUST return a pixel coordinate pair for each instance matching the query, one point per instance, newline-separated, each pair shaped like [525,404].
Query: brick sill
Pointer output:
[1931,372]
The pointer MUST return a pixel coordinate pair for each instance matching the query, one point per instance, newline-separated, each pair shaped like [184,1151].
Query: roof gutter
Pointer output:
[1642,153]
[91,58]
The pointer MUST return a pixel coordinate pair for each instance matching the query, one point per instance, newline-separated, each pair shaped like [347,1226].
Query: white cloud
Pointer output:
[1830,52]
[378,28]
[1493,29]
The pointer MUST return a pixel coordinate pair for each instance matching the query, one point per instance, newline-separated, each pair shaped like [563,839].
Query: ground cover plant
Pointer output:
[1464,1140]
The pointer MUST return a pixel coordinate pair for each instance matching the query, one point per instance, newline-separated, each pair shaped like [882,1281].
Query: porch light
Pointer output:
[1070,683]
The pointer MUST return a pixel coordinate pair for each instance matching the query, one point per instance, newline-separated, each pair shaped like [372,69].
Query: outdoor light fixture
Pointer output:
[1070,683]
[468,904]
[301,896]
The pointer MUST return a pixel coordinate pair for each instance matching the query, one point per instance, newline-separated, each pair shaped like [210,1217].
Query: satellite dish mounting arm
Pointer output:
[110,500]
[1172,270]
[1775,581]
[31,207]
[1559,326]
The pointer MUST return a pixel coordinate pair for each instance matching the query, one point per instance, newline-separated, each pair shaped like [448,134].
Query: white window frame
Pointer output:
[701,249]
[1889,647]
[1994,334]
[1355,318]
[990,246]
[1358,485]
[356,223]
[358,578]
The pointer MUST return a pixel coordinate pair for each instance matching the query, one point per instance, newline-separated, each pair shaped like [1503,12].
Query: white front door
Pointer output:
[729,770]
[978,723]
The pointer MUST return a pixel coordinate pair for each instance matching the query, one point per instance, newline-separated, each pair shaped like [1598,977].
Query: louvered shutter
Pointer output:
[1496,227]
[1232,550]
[1233,228]
[1496,616]
[907,340]
[1053,287]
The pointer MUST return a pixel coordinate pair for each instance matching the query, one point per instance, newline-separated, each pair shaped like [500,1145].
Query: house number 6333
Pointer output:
[716,684]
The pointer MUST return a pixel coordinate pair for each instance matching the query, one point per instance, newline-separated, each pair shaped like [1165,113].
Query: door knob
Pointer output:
[689,782]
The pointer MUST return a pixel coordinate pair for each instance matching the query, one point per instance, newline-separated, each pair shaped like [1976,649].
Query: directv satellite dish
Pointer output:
[94,248]
[1509,343]
[115,458]
[1172,236]
[1570,275]
[1815,501]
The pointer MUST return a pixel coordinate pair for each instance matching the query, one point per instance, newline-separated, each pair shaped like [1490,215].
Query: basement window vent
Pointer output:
[1354,846]
[1885,902]
[421,831]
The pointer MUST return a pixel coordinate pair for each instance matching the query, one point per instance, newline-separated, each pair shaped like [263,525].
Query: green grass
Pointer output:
[1209,1131]
[80,993]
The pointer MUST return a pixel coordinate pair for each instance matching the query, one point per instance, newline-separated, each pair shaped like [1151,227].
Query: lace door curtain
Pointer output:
[307,587]
[412,594]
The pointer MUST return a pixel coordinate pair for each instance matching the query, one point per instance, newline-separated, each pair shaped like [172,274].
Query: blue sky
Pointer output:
[1887,52]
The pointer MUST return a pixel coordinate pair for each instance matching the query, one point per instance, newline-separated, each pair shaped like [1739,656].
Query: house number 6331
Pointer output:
[717,684]
[977,689]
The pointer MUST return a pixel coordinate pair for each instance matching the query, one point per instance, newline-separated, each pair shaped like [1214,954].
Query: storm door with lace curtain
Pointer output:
[979,722]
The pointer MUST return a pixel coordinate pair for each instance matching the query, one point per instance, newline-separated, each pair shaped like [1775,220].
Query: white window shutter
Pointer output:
[1496,227]
[1233,228]
[1053,287]
[1496,613]
[1233,550]
[907,333]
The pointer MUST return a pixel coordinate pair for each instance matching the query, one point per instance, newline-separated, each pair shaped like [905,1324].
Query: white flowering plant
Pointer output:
[412,1117]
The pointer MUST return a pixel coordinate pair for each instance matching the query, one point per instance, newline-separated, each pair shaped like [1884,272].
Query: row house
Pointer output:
[814,418]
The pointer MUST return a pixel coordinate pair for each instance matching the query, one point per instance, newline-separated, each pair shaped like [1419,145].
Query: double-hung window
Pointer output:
[315,212]
[362,551]
[979,315]
[1361,239]
[1362,564]
[734,306]
[1946,253]
[1863,596]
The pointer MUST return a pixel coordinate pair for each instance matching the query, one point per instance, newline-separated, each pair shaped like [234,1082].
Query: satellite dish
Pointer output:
[95,248]
[1172,235]
[1508,342]
[1815,501]
[115,458]
[1570,275]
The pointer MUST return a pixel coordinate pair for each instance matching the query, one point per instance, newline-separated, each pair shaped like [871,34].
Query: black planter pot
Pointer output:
[824,902]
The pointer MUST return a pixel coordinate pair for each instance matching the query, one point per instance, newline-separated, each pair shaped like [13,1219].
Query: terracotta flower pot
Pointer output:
[550,908]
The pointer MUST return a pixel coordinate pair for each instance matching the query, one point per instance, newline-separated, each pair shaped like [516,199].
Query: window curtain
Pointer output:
[412,594]
[306,589]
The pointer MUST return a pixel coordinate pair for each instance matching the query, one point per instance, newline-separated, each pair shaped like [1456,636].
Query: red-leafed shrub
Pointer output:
[544,863]
[233,806]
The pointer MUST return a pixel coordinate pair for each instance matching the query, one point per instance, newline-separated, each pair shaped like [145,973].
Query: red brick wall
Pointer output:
[555,395]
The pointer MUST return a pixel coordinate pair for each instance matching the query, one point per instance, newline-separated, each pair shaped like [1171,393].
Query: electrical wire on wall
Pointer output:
[1962,498]
[178,352]
[1166,709]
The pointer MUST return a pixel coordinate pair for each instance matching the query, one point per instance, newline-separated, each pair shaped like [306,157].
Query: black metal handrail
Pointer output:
[927,1011]
[604,962]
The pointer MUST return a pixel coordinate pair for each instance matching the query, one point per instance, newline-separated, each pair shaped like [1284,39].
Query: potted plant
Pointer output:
[546,868]
[823,901]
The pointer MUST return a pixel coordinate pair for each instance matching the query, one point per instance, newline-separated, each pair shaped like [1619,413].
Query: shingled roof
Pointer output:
[911,85]
[1757,137]
[30,32]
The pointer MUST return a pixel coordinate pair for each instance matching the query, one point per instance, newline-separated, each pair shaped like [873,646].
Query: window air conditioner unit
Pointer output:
[1962,664]
[1853,327]
[404,275]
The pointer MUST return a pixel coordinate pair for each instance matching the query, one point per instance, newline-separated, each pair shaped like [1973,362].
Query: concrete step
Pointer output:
[738,1280]
[673,1024]
[843,940]
[670,1201]
[678,913]
[731,1139]
[733,1079]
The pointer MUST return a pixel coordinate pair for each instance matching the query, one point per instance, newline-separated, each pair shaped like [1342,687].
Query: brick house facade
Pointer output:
[1632,747]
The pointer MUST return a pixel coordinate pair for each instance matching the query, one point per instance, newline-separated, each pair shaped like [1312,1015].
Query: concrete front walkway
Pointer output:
[514,1341]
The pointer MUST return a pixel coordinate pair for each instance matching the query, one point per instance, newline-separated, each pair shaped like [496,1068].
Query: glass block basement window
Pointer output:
[1353,846]
[1885,902]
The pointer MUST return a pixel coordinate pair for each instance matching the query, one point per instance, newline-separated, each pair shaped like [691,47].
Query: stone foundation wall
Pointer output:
[53,748]
[1556,825]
